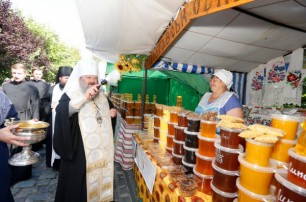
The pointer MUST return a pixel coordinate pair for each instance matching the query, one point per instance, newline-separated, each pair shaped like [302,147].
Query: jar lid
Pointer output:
[225,172]
[189,132]
[294,155]
[227,149]
[264,144]
[179,127]
[206,158]
[209,122]
[177,156]
[190,149]
[178,142]
[253,195]
[242,161]
[207,139]
[188,164]
[222,193]
[201,175]
[283,117]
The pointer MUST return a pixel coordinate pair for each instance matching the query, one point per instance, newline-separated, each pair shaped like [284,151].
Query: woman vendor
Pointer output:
[220,100]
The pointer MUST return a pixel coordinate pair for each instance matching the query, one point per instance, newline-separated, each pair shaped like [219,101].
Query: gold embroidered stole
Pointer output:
[99,149]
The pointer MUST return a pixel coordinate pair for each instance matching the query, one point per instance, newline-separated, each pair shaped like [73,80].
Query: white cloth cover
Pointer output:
[293,88]
[255,86]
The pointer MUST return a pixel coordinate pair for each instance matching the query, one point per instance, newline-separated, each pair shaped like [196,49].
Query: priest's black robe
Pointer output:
[69,146]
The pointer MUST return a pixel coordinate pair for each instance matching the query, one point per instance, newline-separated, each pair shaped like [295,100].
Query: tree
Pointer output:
[17,43]
[57,52]
[25,41]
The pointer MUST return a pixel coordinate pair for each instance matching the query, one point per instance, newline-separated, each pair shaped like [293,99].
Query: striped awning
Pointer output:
[239,78]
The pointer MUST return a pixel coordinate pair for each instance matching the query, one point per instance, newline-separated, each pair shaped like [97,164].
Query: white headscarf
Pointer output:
[84,67]
[225,76]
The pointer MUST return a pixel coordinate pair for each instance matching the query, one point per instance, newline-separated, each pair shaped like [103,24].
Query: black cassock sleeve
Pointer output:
[66,131]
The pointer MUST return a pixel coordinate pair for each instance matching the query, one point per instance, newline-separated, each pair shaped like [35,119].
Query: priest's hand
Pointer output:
[92,92]
[7,136]
[113,112]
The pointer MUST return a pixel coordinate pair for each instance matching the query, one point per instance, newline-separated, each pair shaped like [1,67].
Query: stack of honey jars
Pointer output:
[171,123]
[226,164]
[157,116]
[256,172]
[291,183]
[206,154]
[179,137]
[289,124]
[191,141]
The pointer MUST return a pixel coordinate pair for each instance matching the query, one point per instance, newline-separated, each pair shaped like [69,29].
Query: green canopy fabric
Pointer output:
[166,85]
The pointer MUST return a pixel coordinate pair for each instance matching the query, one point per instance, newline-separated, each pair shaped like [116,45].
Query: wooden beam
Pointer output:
[191,10]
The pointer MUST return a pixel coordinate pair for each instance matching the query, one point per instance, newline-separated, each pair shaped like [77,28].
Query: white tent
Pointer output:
[238,39]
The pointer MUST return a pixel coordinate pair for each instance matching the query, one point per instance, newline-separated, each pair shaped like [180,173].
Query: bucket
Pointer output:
[203,164]
[286,190]
[208,128]
[191,139]
[248,196]
[227,158]
[258,153]
[289,124]
[297,169]
[255,178]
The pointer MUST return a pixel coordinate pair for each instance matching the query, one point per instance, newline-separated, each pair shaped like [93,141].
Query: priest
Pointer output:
[49,103]
[83,138]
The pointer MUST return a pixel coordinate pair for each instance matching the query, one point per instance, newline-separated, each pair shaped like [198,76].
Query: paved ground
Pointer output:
[42,185]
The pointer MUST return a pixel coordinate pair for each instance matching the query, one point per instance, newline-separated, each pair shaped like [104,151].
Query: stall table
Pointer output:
[163,188]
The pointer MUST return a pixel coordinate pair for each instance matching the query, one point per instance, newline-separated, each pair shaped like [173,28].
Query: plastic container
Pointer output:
[156,132]
[190,156]
[203,164]
[286,190]
[129,119]
[187,187]
[174,117]
[300,148]
[182,119]
[171,128]
[297,169]
[289,124]
[193,124]
[177,159]
[163,136]
[258,153]
[227,158]
[206,146]
[170,140]
[229,137]
[208,129]
[218,195]
[280,150]
[224,180]
[189,166]
[255,178]
[178,147]
[204,182]
[179,133]
[157,121]
[248,196]
[163,124]
[169,150]
[191,139]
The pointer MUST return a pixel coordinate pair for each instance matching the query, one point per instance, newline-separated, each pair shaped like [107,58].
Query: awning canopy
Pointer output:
[237,39]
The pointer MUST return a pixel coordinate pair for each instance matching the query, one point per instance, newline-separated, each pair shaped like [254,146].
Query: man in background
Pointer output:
[49,102]
[25,98]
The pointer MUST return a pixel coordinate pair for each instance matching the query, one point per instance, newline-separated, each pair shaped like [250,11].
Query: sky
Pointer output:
[60,16]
